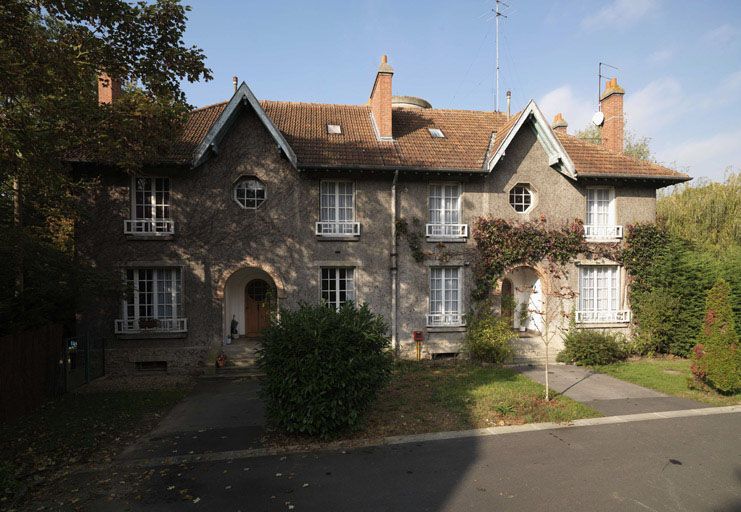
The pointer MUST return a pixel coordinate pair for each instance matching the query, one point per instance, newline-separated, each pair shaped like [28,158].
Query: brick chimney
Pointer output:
[380,100]
[109,89]
[611,104]
[559,124]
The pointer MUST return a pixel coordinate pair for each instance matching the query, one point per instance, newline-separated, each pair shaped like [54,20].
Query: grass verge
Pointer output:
[668,376]
[436,397]
[73,430]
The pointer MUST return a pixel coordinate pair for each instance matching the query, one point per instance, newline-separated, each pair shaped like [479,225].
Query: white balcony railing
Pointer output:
[338,228]
[141,325]
[600,317]
[447,230]
[594,232]
[149,227]
[445,320]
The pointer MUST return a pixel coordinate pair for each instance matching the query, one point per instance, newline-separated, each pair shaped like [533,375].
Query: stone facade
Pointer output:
[215,239]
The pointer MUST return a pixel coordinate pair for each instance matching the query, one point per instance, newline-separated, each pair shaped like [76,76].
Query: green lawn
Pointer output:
[666,375]
[433,397]
[75,429]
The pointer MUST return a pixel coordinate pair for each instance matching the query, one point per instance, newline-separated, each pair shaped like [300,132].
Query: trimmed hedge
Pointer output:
[589,347]
[323,367]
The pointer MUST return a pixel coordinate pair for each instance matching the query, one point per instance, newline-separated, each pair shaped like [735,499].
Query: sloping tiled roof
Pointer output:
[466,144]
[592,159]
[463,147]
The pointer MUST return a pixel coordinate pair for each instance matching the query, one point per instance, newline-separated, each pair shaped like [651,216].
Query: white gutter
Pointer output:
[394,268]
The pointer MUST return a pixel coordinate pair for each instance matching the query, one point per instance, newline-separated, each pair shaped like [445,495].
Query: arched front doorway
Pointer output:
[250,297]
[526,289]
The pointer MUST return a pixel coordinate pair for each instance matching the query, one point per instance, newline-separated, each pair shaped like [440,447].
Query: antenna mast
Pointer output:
[497,16]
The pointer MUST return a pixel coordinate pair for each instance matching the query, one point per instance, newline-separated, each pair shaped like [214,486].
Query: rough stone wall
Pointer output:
[215,237]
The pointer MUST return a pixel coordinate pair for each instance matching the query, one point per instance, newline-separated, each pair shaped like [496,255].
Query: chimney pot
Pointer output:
[381,100]
[559,124]
[235,81]
[611,105]
[109,89]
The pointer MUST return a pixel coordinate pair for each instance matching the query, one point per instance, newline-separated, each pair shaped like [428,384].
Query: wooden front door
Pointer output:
[256,307]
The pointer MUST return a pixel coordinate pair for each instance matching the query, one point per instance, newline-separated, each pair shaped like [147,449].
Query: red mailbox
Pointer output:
[418,335]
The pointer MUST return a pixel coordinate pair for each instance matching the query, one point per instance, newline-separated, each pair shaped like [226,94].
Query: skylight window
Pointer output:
[334,129]
[436,133]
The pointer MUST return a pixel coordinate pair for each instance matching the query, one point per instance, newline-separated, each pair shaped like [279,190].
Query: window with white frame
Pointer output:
[599,295]
[338,286]
[249,193]
[150,207]
[445,211]
[601,214]
[337,209]
[521,198]
[153,300]
[445,296]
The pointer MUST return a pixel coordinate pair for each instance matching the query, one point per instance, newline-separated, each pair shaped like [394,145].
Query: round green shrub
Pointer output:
[488,340]
[323,367]
[589,347]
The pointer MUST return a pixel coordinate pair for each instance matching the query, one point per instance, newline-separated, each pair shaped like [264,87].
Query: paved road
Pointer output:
[679,464]
[606,394]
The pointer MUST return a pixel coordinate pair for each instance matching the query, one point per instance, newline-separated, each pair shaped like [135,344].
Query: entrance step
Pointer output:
[233,373]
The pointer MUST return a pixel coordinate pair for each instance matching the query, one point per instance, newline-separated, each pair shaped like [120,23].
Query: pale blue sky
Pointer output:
[680,61]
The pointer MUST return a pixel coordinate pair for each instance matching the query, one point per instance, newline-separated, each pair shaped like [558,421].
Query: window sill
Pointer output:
[602,325]
[446,328]
[149,236]
[144,335]
[603,240]
[447,240]
[336,238]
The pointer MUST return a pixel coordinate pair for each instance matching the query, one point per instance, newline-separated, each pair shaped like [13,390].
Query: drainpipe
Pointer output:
[394,268]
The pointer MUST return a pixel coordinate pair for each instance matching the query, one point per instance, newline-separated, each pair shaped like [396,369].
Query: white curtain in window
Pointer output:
[599,288]
[599,207]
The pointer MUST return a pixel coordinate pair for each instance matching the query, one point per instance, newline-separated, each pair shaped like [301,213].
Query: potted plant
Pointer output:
[524,315]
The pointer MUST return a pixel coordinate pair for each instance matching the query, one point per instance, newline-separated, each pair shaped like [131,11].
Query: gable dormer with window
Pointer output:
[444,221]
[337,211]
[150,208]
[600,222]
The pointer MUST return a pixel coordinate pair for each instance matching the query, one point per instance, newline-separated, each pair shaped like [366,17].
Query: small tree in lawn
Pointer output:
[716,357]
[553,313]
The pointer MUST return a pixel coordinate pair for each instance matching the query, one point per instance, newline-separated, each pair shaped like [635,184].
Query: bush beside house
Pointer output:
[590,347]
[323,367]
[716,357]
[488,339]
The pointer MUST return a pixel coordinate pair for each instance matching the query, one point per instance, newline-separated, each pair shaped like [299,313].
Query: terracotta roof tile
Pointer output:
[467,141]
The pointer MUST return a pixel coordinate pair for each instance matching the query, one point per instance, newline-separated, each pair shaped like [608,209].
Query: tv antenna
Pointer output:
[600,76]
[497,15]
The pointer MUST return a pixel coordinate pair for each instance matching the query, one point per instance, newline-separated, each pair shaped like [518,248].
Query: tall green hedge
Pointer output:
[671,278]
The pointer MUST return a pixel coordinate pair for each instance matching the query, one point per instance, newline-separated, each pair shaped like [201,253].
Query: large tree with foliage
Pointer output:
[51,53]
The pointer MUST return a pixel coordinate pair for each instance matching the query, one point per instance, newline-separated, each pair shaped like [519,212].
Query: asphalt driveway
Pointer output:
[219,415]
[606,394]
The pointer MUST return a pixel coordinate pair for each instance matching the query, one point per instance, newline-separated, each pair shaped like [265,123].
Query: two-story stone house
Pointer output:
[270,202]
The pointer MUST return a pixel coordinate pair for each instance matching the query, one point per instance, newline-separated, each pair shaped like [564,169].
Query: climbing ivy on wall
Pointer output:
[502,245]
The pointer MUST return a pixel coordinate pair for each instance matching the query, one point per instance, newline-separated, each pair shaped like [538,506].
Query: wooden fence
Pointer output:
[32,370]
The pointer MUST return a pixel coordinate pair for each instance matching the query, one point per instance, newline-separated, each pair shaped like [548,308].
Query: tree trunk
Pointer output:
[17,220]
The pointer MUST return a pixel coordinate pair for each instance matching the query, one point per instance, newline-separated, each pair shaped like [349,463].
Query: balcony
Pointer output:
[447,231]
[149,227]
[603,317]
[338,229]
[445,320]
[594,232]
[151,325]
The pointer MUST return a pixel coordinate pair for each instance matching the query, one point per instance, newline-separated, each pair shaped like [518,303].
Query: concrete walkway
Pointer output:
[219,415]
[608,395]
